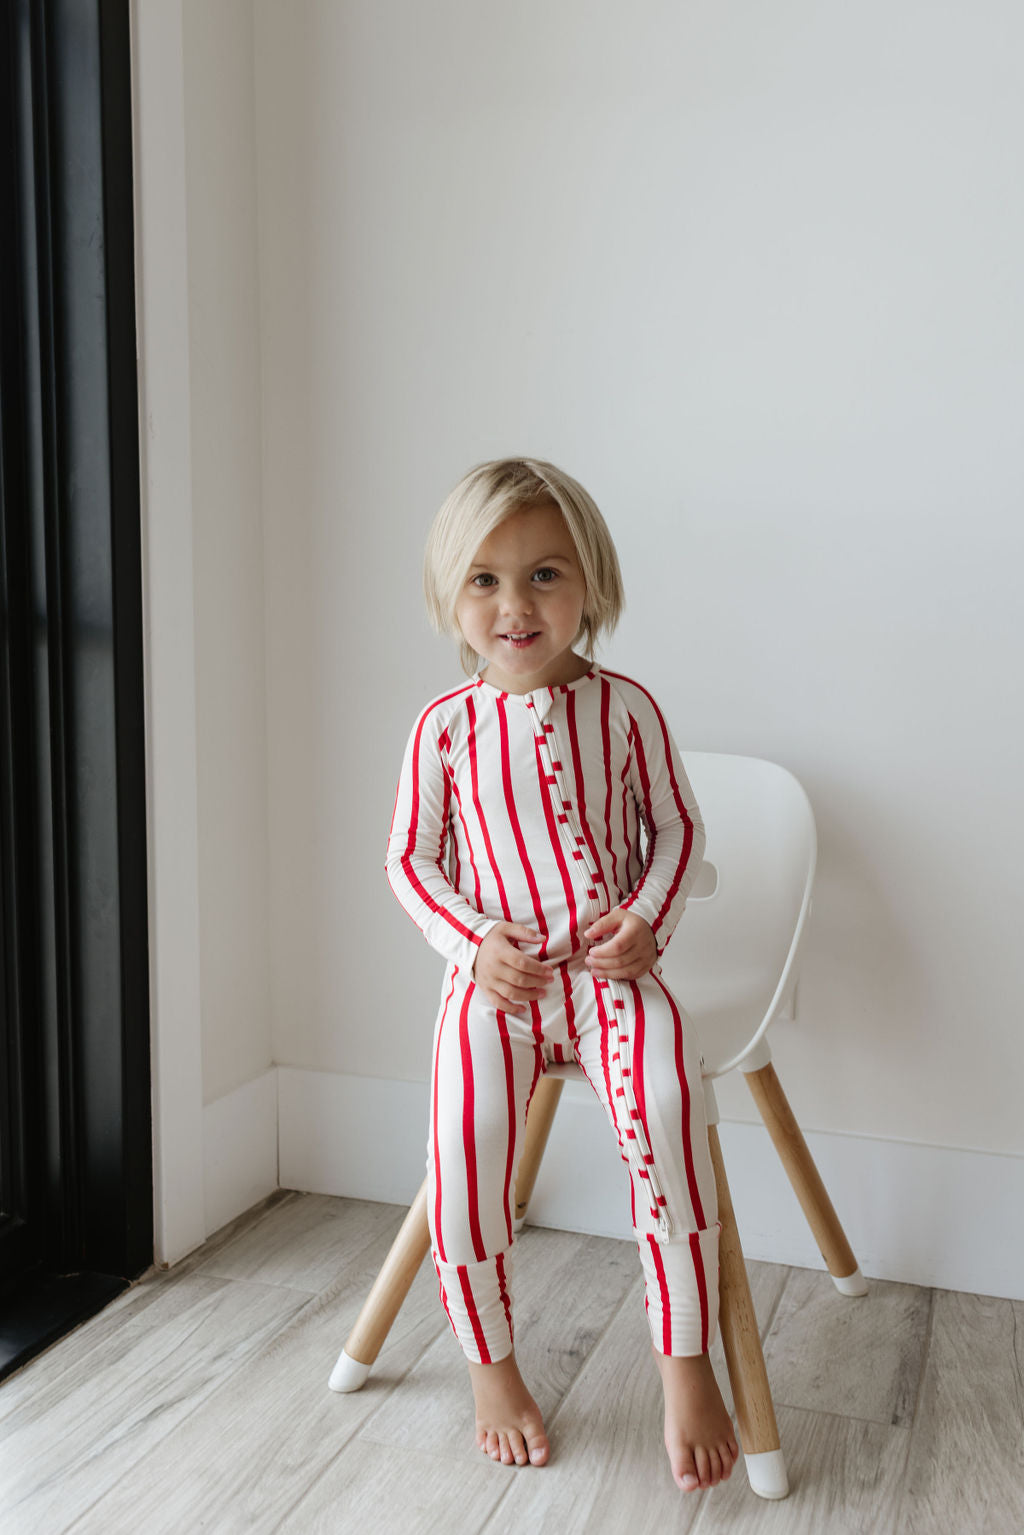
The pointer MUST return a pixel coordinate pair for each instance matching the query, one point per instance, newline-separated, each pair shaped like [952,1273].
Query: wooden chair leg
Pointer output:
[538,1127]
[741,1339]
[384,1301]
[412,1244]
[806,1180]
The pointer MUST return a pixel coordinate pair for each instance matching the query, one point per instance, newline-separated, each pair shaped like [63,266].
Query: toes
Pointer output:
[518,1448]
[491,1445]
[703,1464]
[538,1448]
[507,1458]
[684,1470]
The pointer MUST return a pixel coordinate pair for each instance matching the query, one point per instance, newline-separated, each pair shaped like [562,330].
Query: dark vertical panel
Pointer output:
[128,677]
[72,763]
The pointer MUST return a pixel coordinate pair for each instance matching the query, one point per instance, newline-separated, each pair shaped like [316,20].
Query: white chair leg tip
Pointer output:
[517,1225]
[766,1474]
[348,1374]
[851,1284]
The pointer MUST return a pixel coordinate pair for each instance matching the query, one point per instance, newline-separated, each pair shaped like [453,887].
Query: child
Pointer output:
[545,838]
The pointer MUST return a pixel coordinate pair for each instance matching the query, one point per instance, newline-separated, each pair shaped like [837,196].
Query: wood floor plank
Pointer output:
[371,1489]
[226,1234]
[966,1466]
[198,1400]
[566,1288]
[303,1244]
[62,1451]
[844,1476]
[254,1446]
[99,1331]
[861,1357]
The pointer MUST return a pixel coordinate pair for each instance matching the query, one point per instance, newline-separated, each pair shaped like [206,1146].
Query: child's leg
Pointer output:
[486,1064]
[644,1063]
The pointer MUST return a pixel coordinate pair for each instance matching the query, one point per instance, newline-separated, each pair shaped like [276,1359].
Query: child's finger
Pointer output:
[523,965]
[609,962]
[520,930]
[609,923]
[503,1004]
[613,944]
[520,987]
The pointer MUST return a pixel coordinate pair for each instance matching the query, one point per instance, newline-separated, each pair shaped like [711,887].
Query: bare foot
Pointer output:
[509,1426]
[699,1437]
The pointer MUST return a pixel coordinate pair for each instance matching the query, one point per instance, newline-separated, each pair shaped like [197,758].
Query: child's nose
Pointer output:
[517,600]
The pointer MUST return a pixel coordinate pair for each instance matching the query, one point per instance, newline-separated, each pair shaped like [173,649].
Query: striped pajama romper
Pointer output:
[550,808]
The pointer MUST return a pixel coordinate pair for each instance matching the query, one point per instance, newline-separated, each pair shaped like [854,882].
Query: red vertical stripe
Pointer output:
[684,858]
[503,1292]
[437,1156]
[697,1254]
[637,1062]
[581,791]
[666,1310]
[478,903]
[627,802]
[538,1051]
[684,1090]
[606,694]
[469,1128]
[517,830]
[570,1009]
[680,803]
[478,805]
[445,810]
[410,847]
[474,1316]
[559,852]
[444,1296]
[510,1094]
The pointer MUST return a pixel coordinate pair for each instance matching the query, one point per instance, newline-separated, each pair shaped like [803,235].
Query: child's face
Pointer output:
[522,602]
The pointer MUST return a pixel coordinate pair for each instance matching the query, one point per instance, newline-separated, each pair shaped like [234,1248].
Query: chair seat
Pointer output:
[724,1027]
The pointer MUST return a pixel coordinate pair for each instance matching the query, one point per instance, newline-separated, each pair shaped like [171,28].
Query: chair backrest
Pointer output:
[732,960]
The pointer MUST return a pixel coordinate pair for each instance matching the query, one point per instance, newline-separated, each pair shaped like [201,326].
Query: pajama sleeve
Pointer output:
[417,857]
[672,821]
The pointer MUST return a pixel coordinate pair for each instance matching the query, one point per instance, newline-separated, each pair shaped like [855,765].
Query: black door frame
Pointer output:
[76,1164]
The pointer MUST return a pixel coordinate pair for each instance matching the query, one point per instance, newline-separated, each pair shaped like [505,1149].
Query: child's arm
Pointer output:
[672,820]
[417,857]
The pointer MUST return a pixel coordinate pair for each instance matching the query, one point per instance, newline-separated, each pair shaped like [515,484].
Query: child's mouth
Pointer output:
[520,641]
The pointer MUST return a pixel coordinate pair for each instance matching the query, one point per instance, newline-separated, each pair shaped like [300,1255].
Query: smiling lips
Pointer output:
[520,641]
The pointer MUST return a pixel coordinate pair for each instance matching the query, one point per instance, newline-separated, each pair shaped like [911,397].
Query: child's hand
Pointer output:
[622,946]
[508,978]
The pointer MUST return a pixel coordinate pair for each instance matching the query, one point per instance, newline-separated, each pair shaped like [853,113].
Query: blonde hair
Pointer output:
[481,500]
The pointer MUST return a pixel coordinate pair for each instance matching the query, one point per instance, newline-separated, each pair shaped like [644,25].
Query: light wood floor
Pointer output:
[198,1401]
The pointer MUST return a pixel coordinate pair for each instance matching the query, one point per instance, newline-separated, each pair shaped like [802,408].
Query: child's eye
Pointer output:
[483,579]
[545,575]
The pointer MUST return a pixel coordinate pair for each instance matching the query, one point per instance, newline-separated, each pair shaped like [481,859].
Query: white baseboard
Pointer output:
[240,1150]
[927,1215]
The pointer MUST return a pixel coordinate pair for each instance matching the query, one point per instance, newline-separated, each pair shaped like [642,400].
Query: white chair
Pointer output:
[733,963]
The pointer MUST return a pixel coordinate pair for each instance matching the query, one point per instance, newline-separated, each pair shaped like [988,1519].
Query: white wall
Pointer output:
[752,275]
[224,330]
[204,614]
